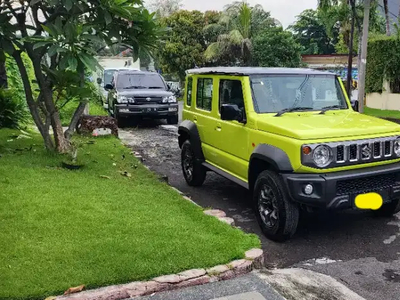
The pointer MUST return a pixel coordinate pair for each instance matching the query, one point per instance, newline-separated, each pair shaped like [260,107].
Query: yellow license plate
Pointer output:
[372,201]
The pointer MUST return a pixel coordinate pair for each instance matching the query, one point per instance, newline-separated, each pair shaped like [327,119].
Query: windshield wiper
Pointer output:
[292,109]
[135,87]
[332,107]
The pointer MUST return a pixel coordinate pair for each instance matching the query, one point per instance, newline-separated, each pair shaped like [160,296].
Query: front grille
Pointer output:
[353,153]
[148,100]
[340,154]
[365,185]
[388,148]
[377,149]
[364,151]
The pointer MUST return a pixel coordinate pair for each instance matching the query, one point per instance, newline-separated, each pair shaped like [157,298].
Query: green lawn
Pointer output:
[395,114]
[61,228]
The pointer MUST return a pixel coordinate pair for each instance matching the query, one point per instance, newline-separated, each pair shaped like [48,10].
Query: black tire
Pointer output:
[173,120]
[389,209]
[270,196]
[193,170]
[121,122]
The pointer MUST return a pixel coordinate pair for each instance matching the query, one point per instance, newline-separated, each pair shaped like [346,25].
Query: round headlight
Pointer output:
[396,147]
[322,156]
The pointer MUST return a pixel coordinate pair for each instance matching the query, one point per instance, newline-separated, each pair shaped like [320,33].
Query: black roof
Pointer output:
[255,71]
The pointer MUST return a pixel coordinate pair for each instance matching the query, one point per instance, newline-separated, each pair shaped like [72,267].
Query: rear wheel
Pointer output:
[276,214]
[193,170]
[173,120]
[389,209]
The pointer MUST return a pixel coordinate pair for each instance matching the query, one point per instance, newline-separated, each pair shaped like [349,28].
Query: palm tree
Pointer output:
[237,25]
[386,9]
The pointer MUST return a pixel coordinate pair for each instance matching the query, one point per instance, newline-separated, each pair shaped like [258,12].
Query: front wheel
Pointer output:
[389,209]
[193,170]
[276,214]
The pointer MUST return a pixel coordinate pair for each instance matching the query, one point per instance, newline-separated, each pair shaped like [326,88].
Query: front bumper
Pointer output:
[148,110]
[338,190]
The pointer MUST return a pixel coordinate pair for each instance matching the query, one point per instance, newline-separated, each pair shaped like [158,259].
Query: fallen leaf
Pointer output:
[114,164]
[73,290]
[105,177]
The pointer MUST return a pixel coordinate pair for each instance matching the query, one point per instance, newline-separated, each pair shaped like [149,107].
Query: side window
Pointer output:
[189,91]
[231,92]
[204,93]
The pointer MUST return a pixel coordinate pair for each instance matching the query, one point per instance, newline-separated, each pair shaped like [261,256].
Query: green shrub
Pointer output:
[383,63]
[13,111]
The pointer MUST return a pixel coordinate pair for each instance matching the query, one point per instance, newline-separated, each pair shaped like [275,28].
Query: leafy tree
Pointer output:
[165,8]
[338,13]
[185,45]
[311,32]
[275,47]
[59,41]
[238,24]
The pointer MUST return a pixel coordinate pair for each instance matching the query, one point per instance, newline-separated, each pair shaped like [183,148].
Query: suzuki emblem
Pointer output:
[366,151]
[148,99]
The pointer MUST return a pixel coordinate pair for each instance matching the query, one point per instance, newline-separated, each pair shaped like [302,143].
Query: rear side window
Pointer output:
[189,91]
[204,93]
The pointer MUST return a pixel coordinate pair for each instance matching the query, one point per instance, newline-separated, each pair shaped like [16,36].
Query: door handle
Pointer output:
[195,119]
[218,128]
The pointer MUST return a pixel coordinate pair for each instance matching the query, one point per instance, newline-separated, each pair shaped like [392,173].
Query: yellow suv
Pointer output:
[292,138]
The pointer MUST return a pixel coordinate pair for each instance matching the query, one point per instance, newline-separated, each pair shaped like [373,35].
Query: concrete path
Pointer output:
[290,284]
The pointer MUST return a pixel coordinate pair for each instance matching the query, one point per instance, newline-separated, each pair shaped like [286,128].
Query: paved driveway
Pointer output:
[355,248]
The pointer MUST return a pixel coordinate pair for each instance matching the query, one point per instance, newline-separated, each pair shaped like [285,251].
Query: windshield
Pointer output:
[274,93]
[108,76]
[140,81]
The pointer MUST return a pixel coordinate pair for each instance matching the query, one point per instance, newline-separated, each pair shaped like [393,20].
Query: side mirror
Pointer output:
[108,87]
[231,112]
[99,80]
[168,87]
[354,104]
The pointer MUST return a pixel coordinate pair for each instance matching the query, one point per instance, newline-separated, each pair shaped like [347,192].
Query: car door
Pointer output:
[232,138]
[205,113]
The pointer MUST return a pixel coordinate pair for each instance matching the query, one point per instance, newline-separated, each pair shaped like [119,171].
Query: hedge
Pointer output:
[383,62]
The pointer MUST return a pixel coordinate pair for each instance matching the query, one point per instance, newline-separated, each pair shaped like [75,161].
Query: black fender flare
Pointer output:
[271,155]
[188,129]
[274,156]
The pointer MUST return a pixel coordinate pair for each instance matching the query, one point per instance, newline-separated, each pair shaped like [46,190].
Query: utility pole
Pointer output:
[363,63]
[350,63]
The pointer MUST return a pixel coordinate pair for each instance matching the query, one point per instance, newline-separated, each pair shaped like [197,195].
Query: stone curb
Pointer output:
[254,259]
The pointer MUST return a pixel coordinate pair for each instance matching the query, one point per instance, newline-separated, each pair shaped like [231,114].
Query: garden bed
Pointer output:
[112,222]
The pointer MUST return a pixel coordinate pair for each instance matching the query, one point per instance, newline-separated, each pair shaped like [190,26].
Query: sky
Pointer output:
[283,10]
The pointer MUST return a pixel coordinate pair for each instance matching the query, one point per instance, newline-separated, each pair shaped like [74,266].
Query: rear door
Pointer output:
[205,114]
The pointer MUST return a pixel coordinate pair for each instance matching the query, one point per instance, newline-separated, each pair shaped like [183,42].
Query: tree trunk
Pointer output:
[3,73]
[74,121]
[385,6]
[33,106]
[83,106]
[62,145]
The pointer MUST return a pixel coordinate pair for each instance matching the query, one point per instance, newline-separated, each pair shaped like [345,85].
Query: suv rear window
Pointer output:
[204,93]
